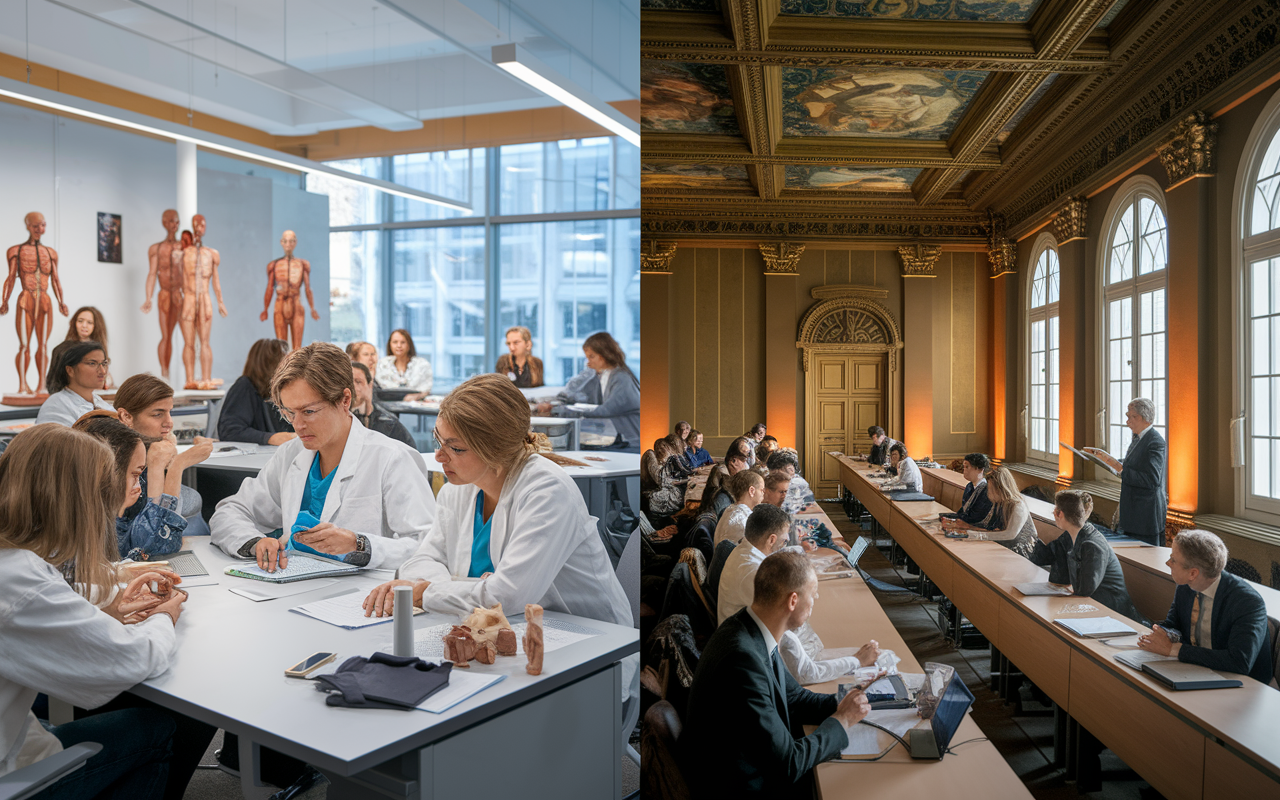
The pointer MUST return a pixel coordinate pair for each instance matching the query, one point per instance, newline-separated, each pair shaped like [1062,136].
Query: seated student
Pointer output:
[512,526]
[145,403]
[370,494]
[519,363]
[743,731]
[681,430]
[148,525]
[87,325]
[366,354]
[908,474]
[1008,521]
[694,452]
[403,368]
[59,485]
[754,437]
[610,386]
[680,464]
[747,490]
[247,414]
[1222,619]
[74,377]
[715,495]
[662,482]
[1081,557]
[765,449]
[371,413]
[975,505]
[786,460]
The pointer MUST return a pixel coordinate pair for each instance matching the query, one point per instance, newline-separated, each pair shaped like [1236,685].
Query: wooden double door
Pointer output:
[845,394]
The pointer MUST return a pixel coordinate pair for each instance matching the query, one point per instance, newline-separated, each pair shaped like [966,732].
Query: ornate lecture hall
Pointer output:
[961,322]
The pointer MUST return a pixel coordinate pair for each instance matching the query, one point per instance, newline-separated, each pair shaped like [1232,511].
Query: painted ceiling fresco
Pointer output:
[975,10]
[849,179]
[685,98]
[679,5]
[693,176]
[879,102]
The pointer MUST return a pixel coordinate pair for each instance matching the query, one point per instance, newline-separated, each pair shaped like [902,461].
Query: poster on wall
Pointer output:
[109,238]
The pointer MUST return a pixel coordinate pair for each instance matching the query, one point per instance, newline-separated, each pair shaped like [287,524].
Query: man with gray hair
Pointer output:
[1143,500]
[1220,620]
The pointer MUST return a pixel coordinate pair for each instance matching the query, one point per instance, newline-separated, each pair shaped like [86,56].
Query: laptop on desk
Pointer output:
[932,740]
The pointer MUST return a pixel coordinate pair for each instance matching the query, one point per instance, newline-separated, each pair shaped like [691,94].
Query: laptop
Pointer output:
[931,742]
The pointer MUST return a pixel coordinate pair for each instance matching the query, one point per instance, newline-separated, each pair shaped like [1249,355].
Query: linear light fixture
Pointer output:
[98,112]
[520,64]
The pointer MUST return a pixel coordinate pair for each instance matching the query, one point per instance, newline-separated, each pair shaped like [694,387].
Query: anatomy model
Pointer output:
[37,265]
[287,277]
[533,645]
[199,265]
[484,635]
[163,265]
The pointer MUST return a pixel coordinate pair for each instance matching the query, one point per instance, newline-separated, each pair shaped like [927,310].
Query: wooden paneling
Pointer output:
[977,601]
[846,391]
[1044,659]
[1229,777]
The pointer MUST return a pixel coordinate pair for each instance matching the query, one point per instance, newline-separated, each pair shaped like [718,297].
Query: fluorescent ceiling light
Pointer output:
[520,64]
[98,112]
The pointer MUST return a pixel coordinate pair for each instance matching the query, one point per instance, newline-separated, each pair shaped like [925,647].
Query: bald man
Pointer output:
[37,265]
[161,264]
[199,265]
[287,277]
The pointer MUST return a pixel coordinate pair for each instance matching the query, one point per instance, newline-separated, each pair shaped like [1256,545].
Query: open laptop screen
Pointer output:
[951,710]
[859,547]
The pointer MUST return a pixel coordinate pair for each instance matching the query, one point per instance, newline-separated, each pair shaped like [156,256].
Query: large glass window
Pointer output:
[1135,357]
[458,280]
[1042,434]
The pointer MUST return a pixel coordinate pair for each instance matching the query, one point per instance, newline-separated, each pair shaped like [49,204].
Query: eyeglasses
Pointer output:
[436,444]
[104,363]
[307,413]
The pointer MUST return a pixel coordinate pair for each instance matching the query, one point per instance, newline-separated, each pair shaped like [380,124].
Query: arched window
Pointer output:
[1260,307]
[1135,360]
[1042,391]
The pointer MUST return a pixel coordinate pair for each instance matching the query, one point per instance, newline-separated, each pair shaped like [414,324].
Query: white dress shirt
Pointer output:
[908,478]
[732,526]
[416,376]
[65,407]
[737,580]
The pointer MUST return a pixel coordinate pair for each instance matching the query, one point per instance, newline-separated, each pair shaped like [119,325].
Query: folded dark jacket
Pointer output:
[383,681]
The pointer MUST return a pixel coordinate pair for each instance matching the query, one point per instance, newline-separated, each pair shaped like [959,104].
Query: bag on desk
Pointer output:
[383,681]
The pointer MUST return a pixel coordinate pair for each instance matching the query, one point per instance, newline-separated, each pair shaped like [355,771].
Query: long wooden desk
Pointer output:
[847,614]
[1210,744]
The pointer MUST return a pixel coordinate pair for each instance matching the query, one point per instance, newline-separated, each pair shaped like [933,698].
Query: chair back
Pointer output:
[702,534]
[660,774]
[1243,569]
[628,572]
[1273,631]
[685,597]
[35,778]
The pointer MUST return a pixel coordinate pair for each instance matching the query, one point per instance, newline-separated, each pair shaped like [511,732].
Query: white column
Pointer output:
[186,183]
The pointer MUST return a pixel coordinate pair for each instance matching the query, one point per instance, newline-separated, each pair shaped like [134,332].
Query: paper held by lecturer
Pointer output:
[1087,456]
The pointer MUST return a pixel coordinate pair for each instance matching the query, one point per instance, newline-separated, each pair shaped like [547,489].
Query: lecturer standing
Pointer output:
[1143,499]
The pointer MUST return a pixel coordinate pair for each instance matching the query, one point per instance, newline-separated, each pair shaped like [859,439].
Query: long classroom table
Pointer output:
[1206,744]
[847,614]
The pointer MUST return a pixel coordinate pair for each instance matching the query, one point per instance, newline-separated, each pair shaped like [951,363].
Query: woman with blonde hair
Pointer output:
[1009,522]
[59,491]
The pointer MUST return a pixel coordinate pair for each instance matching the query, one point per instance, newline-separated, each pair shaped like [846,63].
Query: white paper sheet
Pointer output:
[344,610]
[462,684]
[257,592]
[867,741]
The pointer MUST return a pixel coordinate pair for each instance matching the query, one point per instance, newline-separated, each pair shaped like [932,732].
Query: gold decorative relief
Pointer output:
[1002,252]
[782,258]
[656,258]
[919,260]
[1188,152]
[1068,224]
[849,322]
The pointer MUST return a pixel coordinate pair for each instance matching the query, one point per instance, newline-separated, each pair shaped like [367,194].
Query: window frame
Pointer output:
[1125,198]
[1044,243]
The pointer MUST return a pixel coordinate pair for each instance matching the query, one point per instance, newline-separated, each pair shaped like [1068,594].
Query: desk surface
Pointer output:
[232,653]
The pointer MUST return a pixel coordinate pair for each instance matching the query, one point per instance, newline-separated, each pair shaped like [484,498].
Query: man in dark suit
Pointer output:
[1221,618]
[743,734]
[1143,500]
[975,505]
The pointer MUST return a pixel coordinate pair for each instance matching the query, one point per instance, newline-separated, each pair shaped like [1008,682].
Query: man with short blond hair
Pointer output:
[747,490]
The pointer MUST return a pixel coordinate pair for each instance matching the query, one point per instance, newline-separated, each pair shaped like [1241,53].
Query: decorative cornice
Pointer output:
[657,258]
[734,226]
[1002,252]
[829,291]
[919,260]
[1188,151]
[782,258]
[1069,224]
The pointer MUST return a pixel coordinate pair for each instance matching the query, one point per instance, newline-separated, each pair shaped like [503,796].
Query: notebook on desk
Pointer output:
[1095,627]
[1180,676]
[1136,658]
[301,567]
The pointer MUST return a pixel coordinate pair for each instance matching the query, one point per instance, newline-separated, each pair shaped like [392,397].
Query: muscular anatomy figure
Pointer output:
[37,265]
[199,264]
[287,277]
[169,271]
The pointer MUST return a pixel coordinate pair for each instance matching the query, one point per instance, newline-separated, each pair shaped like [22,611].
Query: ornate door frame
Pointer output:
[852,319]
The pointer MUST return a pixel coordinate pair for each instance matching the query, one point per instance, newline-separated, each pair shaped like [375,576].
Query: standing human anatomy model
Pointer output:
[533,645]
[199,265]
[37,264]
[161,264]
[287,277]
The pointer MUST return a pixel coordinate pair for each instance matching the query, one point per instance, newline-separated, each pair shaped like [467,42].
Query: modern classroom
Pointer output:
[319,406]
[962,335]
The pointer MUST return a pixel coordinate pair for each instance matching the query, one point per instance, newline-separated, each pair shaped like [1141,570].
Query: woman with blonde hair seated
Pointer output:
[1009,522]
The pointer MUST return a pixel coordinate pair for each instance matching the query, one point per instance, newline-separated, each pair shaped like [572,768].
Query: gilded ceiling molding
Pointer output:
[1002,252]
[656,258]
[782,258]
[1188,151]
[732,226]
[814,57]
[849,319]
[1070,221]
[919,260]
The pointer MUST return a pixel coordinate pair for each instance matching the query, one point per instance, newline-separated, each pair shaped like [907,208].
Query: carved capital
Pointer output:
[781,259]
[1069,223]
[1002,253]
[1188,152]
[919,260]
[656,258]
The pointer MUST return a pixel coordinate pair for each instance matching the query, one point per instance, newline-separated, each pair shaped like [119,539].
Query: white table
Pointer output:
[229,672]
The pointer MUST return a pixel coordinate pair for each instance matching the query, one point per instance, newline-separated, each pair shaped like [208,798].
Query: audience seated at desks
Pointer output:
[908,477]
[86,325]
[753,438]
[74,378]
[714,498]
[1220,620]
[338,489]
[766,448]
[247,412]
[1008,518]
[403,368]
[694,452]
[662,481]
[786,460]
[81,637]
[371,413]
[743,731]
[682,430]
[1081,557]
[609,385]
[975,505]
[747,490]
[880,444]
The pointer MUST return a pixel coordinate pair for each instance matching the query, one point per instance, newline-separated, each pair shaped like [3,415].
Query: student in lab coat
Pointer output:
[370,493]
[58,490]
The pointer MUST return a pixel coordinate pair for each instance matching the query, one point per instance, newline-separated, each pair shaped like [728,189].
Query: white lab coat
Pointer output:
[53,640]
[381,490]
[545,548]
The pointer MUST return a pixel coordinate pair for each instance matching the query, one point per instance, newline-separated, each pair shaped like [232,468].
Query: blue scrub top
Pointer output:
[317,489]
[481,561]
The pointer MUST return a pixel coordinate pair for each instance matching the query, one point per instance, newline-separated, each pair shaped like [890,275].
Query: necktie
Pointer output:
[1195,621]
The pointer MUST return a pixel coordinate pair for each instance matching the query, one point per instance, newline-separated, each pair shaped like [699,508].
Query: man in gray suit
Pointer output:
[1143,499]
